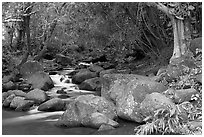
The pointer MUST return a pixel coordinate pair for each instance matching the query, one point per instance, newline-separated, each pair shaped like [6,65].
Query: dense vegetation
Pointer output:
[124,32]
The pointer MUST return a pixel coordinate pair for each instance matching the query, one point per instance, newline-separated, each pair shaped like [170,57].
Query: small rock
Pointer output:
[17,93]
[54,104]
[4,96]
[105,127]
[24,86]
[108,71]
[184,95]
[95,68]
[8,100]
[37,95]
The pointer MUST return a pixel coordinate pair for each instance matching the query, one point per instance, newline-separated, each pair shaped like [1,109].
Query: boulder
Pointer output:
[17,93]
[20,104]
[153,102]
[29,68]
[40,80]
[82,75]
[96,119]
[81,109]
[63,60]
[93,84]
[37,95]
[54,104]
[8,100]
[127,91]
[8,86]
[95,68]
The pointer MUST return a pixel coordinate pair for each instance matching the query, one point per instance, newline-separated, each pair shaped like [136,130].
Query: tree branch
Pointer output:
[160,7]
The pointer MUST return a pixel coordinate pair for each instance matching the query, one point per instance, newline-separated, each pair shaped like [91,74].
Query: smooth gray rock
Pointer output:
[37,95]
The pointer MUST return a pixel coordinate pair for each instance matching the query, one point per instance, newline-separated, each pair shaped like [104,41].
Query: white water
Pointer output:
[32,115]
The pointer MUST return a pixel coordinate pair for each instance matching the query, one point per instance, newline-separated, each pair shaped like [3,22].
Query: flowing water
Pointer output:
[35,122]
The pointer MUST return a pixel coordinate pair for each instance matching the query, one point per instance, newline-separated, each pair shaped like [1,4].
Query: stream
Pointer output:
[36,122]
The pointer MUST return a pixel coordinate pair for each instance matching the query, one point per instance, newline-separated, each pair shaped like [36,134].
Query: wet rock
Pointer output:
[40,80]
[108,71]
[127,91]
[95,68]
[29,68]
[184,95]
[82,75]
[8,86]
[8,100]
[63,60]
[17,93]
[105,127]
[37,95]
[83,107]
[20,104]
[95,120]
[93,84]
[154,102]
[54,104]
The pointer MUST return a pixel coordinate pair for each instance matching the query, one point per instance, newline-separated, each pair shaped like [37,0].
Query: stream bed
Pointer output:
[36,122]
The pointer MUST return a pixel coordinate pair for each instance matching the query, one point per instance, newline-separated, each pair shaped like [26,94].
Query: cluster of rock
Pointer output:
[127,96]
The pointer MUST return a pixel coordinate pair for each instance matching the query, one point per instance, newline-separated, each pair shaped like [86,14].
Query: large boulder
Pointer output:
[37,95]
[93,84]
[63,60]
[29,68]
[20,104]
[127,91]
[79,112]
[40,80]
[153,102]
[55,104]
[82,75]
